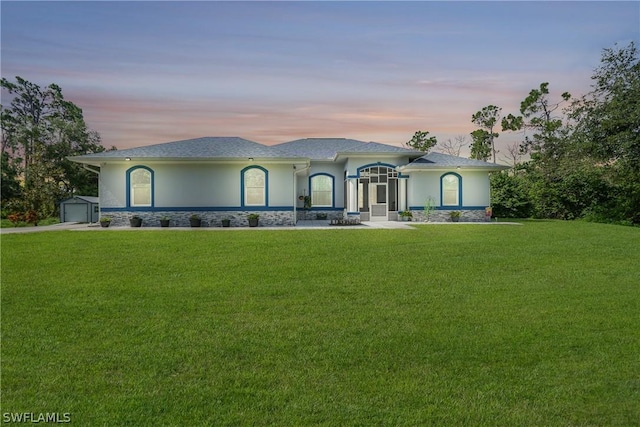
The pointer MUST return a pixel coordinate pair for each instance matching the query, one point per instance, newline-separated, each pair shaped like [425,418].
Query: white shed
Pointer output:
[80,209]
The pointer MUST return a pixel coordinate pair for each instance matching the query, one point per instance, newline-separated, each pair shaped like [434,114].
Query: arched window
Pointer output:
[451,185]
[321,190]
[140,186]
[254,186]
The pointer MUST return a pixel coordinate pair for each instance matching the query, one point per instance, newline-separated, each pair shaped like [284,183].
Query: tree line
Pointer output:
[582,154]
[40,129]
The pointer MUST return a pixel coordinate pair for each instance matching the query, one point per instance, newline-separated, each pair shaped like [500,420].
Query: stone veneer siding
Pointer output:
[209,218]
[312,215]
[476,215]
[269,218]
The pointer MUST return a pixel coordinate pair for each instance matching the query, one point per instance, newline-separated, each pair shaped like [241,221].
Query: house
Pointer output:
[230,177]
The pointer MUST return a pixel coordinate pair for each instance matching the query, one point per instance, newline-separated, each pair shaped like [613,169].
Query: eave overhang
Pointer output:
[100,161]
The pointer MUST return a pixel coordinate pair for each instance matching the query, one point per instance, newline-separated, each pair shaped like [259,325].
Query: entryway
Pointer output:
[378,193]
[378,202]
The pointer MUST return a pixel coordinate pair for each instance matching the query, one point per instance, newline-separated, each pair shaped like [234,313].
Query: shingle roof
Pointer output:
[439,161]
[239,148]
[198,148]
[90,199]
[329,148]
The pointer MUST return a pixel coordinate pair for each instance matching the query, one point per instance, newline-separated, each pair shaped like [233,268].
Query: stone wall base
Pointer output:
[313,215]
[270,218]
[209,219]
[475,215]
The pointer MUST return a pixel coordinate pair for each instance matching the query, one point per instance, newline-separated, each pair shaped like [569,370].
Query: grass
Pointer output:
[5,223]
[441,325]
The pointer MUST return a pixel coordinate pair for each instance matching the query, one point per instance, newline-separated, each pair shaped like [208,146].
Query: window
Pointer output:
[254,186]
[450,189]
[322,190]
[140,187]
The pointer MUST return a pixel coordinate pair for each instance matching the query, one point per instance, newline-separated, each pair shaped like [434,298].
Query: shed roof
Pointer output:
[88,199]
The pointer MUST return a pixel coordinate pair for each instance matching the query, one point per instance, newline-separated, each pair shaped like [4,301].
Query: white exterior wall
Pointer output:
[475,187]
[280,185]
[111,185]
[195,184]
[334,169]
[421,185]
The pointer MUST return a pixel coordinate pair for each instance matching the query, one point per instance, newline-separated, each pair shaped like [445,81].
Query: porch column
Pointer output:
[402,194]
[353,195]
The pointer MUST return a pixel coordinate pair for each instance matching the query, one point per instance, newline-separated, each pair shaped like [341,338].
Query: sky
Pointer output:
[149,72]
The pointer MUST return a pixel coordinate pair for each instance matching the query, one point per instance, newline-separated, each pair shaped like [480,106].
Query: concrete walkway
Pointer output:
[325,224]
[301,225]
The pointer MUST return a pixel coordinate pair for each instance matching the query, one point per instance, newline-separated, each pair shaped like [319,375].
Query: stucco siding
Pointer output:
[336,171]
[280,185]
[475,187]
[421,185]
[195,184]
[111,185]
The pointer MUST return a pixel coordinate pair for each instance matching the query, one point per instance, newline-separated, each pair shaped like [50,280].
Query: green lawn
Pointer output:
[5,223]
[442,325]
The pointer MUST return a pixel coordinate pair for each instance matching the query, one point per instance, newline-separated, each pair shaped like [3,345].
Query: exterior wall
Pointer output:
[111,185]
[476,189]
[195,184]
[211,190]
[334,169]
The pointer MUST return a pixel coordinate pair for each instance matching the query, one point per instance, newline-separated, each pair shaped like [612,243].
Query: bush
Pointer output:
[509,196]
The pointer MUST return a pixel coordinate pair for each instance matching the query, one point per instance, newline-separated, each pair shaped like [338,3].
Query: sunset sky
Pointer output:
[152,72]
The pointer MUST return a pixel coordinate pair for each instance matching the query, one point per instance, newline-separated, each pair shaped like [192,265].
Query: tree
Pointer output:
[547,127]
[481,145]
[40,128]
[547,142]
[585,159]
[453,148]
[10,181]
[608,130]
[486,119]
[421,141]
[513,156]
[510,195]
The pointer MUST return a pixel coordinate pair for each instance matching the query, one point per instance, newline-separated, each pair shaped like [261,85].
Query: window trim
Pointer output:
[129,194]
[243,193]
[333,189]
[459,201]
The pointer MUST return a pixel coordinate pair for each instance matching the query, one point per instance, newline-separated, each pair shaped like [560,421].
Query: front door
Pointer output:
[378,202]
